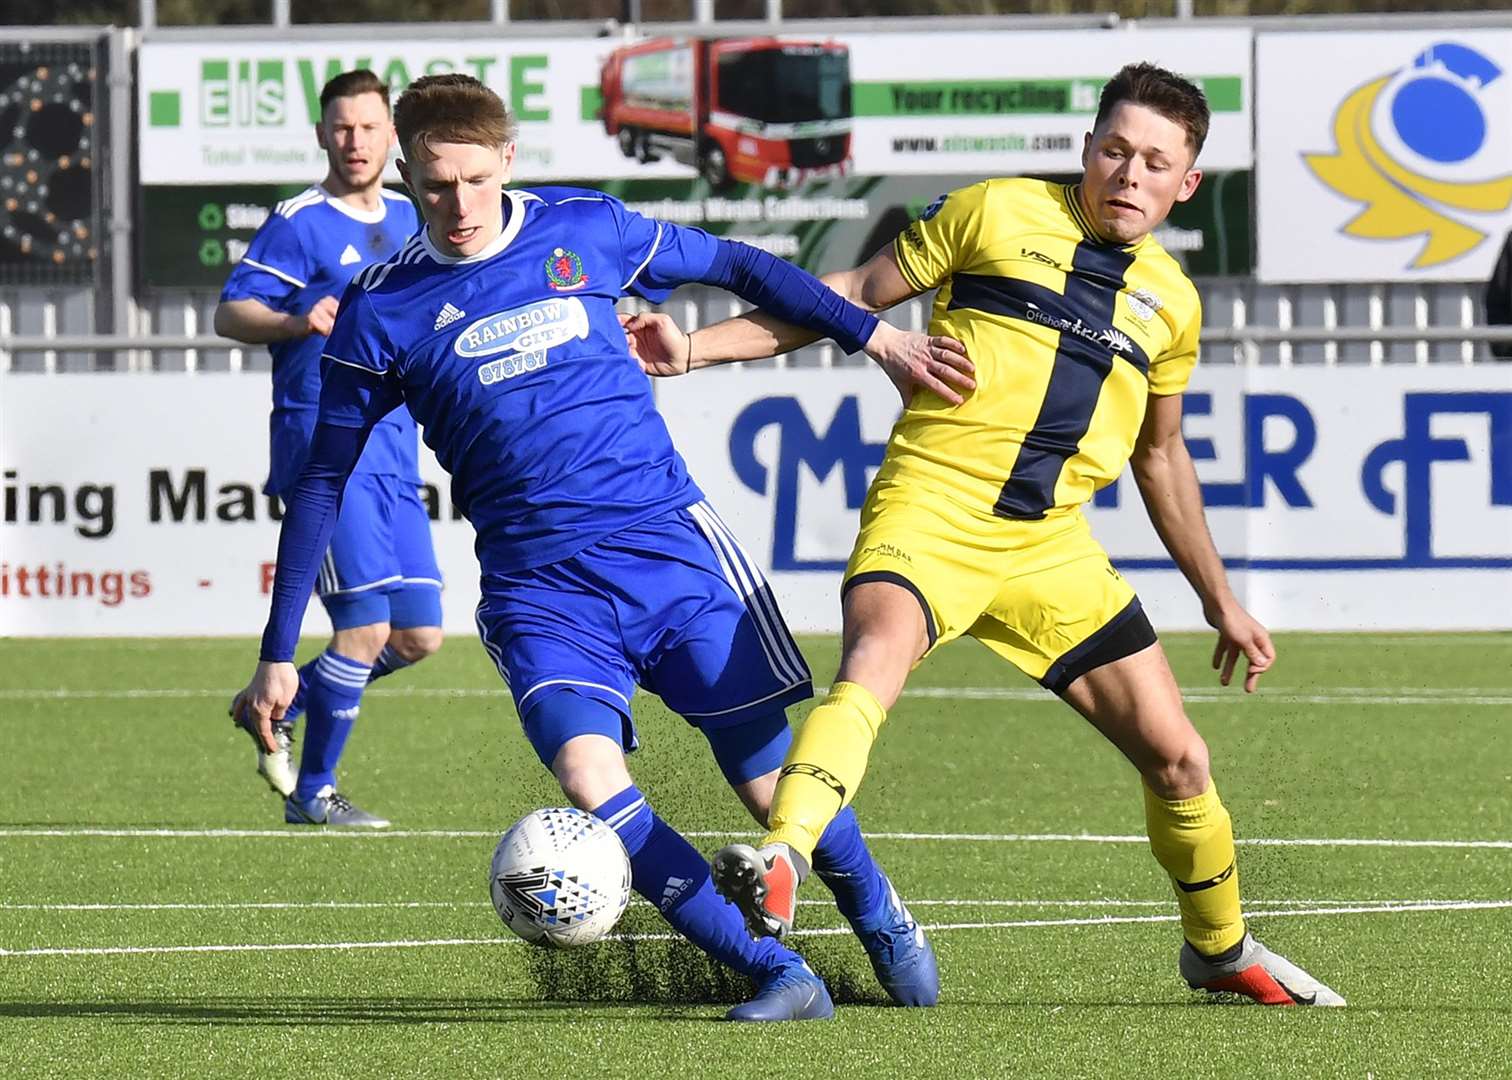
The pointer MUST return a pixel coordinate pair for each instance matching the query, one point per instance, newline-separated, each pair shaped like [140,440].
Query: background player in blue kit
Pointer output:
[602,566]
[378,579]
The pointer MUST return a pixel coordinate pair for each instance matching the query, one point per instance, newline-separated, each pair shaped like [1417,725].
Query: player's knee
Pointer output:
[1182,772]
[591,770]
[415,643]
[879,656]
[361,643]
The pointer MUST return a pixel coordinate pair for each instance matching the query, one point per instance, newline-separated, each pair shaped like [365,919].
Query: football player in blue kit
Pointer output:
[603,567]
[378,579]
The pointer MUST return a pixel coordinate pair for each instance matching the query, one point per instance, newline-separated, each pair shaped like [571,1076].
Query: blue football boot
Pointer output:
[330,807]
[794,993]
[901,955]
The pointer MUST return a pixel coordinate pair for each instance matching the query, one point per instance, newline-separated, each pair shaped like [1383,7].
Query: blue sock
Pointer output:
[669,872]
[335,693]
[844,863]
[387,663]
[301,696]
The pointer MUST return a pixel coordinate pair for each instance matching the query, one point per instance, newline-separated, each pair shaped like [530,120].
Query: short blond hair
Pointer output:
[451,109]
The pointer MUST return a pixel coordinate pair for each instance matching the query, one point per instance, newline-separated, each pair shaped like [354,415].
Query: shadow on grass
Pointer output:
[610,980]
[677,973]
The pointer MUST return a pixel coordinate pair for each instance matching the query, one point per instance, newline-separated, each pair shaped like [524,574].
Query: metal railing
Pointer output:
[1232,345]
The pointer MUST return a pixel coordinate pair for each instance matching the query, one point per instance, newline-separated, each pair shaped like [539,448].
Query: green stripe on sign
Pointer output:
[591,100]
[1225,93]
[163,108]
[976,97]
[1010,97]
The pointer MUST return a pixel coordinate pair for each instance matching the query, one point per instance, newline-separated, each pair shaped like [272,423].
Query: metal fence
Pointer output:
[1244,323]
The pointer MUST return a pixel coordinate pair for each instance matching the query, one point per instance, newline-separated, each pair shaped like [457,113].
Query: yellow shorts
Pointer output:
[1040,594]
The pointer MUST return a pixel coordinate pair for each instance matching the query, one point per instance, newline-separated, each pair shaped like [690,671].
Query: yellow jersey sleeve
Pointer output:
[942,239]
[1172,370]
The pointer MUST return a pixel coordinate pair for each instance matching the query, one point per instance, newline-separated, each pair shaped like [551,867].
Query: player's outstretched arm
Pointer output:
[801,311]
[255,323]
[352,401]
[1168,483]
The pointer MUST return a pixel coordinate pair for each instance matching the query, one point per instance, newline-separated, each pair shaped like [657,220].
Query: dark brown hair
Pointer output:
[451,109]
[351,84]
[1178,100]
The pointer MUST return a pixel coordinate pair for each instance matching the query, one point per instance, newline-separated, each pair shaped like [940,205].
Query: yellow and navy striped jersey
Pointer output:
[1069,333]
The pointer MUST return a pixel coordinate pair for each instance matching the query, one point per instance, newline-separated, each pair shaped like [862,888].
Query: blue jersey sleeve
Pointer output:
[658,256]
[358,338]
[274,268]
[351,402]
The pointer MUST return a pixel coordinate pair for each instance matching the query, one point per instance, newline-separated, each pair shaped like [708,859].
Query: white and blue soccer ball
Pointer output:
[560,878]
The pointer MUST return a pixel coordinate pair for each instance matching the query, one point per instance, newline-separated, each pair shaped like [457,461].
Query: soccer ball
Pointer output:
[560,878]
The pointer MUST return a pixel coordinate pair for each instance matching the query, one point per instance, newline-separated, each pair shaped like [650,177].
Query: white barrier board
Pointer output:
[1341,499]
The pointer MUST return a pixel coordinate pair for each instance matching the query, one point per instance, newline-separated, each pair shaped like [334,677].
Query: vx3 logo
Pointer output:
[799,445]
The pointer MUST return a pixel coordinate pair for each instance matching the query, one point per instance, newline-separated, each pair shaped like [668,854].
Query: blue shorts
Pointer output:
[673,605]
[381,566]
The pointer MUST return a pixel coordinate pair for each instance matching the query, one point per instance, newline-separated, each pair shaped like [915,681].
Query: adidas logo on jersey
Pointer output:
[448,315]
[349,256]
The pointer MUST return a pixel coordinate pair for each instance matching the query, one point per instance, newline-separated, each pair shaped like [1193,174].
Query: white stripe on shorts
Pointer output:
[364,587]
[762,595]
[488,646]
[735,575]
[520,702]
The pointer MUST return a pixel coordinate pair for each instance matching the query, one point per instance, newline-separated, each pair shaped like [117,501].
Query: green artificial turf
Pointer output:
[158,918]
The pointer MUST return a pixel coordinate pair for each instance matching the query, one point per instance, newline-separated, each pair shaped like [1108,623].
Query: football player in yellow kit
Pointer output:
[1083,333]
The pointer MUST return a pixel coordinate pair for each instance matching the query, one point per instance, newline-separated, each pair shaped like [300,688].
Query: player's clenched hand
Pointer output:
[934,362]
[320,318]
[267,697]
[657,344]
[1240,633]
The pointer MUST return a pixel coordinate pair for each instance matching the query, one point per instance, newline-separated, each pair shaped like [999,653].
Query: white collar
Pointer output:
[367,217]
[506,235]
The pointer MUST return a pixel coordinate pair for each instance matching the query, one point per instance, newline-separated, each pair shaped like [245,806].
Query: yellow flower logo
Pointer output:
[1436,114]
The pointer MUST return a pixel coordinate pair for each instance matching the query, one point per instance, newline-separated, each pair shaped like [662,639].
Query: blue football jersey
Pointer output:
[309,248]
[515,365]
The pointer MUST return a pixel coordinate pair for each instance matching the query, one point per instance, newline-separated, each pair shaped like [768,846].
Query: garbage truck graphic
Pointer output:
[761,110]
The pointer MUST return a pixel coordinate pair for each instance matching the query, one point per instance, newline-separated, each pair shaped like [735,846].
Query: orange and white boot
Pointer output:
[1256,973]
[762,883]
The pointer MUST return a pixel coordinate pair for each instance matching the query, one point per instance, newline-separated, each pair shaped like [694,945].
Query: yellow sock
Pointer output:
[1193,839]
[824,767]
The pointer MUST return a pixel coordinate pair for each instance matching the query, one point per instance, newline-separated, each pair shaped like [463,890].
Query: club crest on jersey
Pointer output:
[533,328]
[1144,304]
[564,270]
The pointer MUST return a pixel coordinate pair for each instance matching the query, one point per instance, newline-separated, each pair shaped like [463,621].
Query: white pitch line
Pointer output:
[1012,924]
[1488,696]
[307,946]
[966,838]
[236,905]
[394,905]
